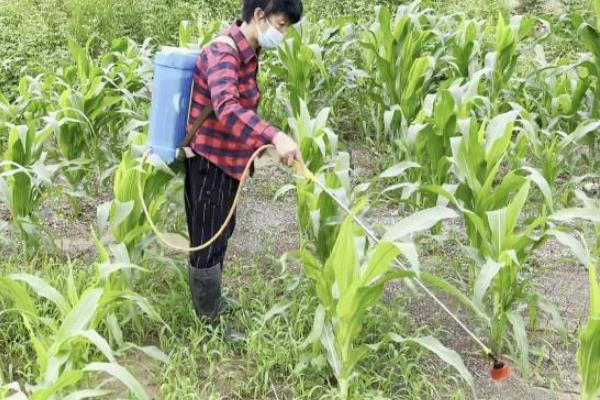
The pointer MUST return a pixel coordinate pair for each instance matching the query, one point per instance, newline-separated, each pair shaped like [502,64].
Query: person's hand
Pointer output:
[288,149]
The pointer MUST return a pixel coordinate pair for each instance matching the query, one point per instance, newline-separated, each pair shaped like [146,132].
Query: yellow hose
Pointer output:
[299,166]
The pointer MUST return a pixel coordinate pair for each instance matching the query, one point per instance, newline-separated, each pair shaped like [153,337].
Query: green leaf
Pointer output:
[484,280]
[520,337]
[537,178]
[87,394]
[497,221]
[43,289]
[120,373]
[106,269]
[328,343]
[278,309]
[578,249]
[68,378]
[344,258]
[151,351]
[570,214]
[81,314]
[417,222]
[98,341]
[454,292]
[380,261]
[498,136]
[450,357]
[516,207]
[589,343]
[399,169]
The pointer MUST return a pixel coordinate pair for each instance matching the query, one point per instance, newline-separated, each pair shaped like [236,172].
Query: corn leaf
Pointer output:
[43,289]
[578,249]
[569,214]
[450,357]
[398,169]
[417,222]
[81,314]
[454,292]
[588,354]
[520,337]
[484,280]
[121,374]
[68,378]
[344,258]
[380,261]
[87,394]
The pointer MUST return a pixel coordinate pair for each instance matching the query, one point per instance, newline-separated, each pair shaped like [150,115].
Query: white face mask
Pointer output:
[270,39]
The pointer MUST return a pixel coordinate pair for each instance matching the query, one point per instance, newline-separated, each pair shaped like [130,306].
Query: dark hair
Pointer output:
[291,9]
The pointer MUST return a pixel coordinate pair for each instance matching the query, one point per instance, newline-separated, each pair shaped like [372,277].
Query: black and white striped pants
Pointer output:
[209,194]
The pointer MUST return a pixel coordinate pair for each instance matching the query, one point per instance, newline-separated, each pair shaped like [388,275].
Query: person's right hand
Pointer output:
[288,149]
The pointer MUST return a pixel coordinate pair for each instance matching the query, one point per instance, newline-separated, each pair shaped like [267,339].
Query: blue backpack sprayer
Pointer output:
[171,98]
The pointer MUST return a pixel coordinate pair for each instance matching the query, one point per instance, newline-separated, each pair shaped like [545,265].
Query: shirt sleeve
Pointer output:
[223,82]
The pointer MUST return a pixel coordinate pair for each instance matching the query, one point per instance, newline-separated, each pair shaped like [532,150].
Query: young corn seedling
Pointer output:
[557,153]
[318,214]
[554,94]
[465,48]
[300,63]
[24,176]
[204,33]
[588,354]
[68,343]
[590,37]
[501,240]
[125,214]
[349,283]
[397,51]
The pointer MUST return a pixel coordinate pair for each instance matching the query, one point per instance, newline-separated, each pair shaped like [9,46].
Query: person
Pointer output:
[226,80]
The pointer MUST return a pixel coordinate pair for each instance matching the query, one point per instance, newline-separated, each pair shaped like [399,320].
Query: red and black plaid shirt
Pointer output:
[227,77]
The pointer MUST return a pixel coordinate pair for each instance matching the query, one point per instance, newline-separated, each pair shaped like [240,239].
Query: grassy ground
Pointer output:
[276,303]
[276,314]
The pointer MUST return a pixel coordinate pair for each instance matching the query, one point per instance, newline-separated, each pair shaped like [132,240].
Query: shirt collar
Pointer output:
[242,42]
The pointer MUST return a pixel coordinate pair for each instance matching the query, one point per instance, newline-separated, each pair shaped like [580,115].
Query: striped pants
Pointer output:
[209,194]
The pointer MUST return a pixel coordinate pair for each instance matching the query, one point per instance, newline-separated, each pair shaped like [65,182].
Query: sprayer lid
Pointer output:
[179,58]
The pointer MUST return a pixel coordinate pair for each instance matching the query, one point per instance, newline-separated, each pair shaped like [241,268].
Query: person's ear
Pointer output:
[259,14]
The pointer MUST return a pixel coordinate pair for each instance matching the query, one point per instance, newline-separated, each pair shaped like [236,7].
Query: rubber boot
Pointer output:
[205,287]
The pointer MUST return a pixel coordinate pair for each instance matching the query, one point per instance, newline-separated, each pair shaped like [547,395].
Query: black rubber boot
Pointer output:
[205,286]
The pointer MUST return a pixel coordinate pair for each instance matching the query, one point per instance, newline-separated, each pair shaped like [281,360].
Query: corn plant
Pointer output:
[204,32]
[86,110]
[588,353]
[554,95]
[397,57]
[318,214]
[125,214]
[24,178]
[588,357]
[465,48]
[591,40]
[348,284]
[501,238]
[556,153]
[300,63]
[68,344]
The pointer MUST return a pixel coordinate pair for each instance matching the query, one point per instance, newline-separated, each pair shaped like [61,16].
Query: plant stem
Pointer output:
[343,388]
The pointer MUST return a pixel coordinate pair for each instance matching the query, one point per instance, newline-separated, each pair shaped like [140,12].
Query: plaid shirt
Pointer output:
[227,77]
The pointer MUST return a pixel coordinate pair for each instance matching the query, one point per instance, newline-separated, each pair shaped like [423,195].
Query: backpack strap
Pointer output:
[208,110]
